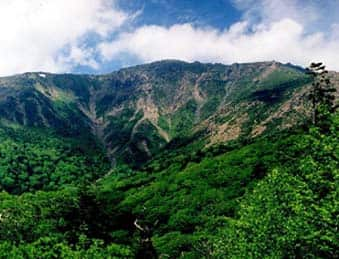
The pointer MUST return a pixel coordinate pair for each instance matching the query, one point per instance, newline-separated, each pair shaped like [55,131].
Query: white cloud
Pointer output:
[268,11]
[284,40]
[48,34]
[57,35]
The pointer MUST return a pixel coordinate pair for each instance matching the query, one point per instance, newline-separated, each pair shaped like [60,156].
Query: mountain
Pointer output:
[135,112]
[210,161]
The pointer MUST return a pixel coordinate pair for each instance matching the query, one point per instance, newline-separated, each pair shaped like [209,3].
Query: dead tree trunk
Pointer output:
[146,250]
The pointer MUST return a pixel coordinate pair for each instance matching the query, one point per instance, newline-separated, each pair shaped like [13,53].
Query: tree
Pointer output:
[322,95]
[146,246]
[293,212]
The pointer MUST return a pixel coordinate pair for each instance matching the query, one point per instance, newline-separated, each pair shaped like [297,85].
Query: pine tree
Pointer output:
[322,95]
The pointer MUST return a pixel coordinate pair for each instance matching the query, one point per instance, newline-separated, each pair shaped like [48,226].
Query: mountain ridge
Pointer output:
[185,160]
[163,61]
[134,112]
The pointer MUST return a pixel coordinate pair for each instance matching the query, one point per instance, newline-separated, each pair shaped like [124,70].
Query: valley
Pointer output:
[167,160]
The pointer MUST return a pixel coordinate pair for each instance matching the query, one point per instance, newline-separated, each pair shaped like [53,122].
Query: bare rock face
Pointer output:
[136,111]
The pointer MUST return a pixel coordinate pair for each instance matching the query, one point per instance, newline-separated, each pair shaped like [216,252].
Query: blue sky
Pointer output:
[215,13]
[200,13]
[98,36]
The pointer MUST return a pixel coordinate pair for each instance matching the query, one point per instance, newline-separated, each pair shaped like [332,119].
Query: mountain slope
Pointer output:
[136,111]
[219,168]
[274,197]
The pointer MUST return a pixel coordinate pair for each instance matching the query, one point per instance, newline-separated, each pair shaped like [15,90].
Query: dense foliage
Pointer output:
[271,196]
[276,197]
[294,211]
[38,159]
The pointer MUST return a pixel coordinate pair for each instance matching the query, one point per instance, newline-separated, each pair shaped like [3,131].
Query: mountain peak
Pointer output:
[136,111]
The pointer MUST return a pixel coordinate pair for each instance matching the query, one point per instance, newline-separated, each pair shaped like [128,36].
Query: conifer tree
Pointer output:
[322,95]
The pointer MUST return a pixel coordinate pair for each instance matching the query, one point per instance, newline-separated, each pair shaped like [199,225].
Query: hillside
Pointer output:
[274,197]
[136,111]
[167,160]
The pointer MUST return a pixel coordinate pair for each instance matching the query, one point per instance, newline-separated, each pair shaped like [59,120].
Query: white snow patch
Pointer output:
[42,75]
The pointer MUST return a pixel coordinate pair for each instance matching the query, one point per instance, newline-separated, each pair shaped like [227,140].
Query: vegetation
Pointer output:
[321,96]
[41,160]
[273,196]
[277,200]
[293,211]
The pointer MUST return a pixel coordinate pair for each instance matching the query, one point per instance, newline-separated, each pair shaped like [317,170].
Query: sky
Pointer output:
[100,36]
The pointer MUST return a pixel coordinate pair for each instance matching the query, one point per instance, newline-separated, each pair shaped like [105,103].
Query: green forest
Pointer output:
[271,196]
